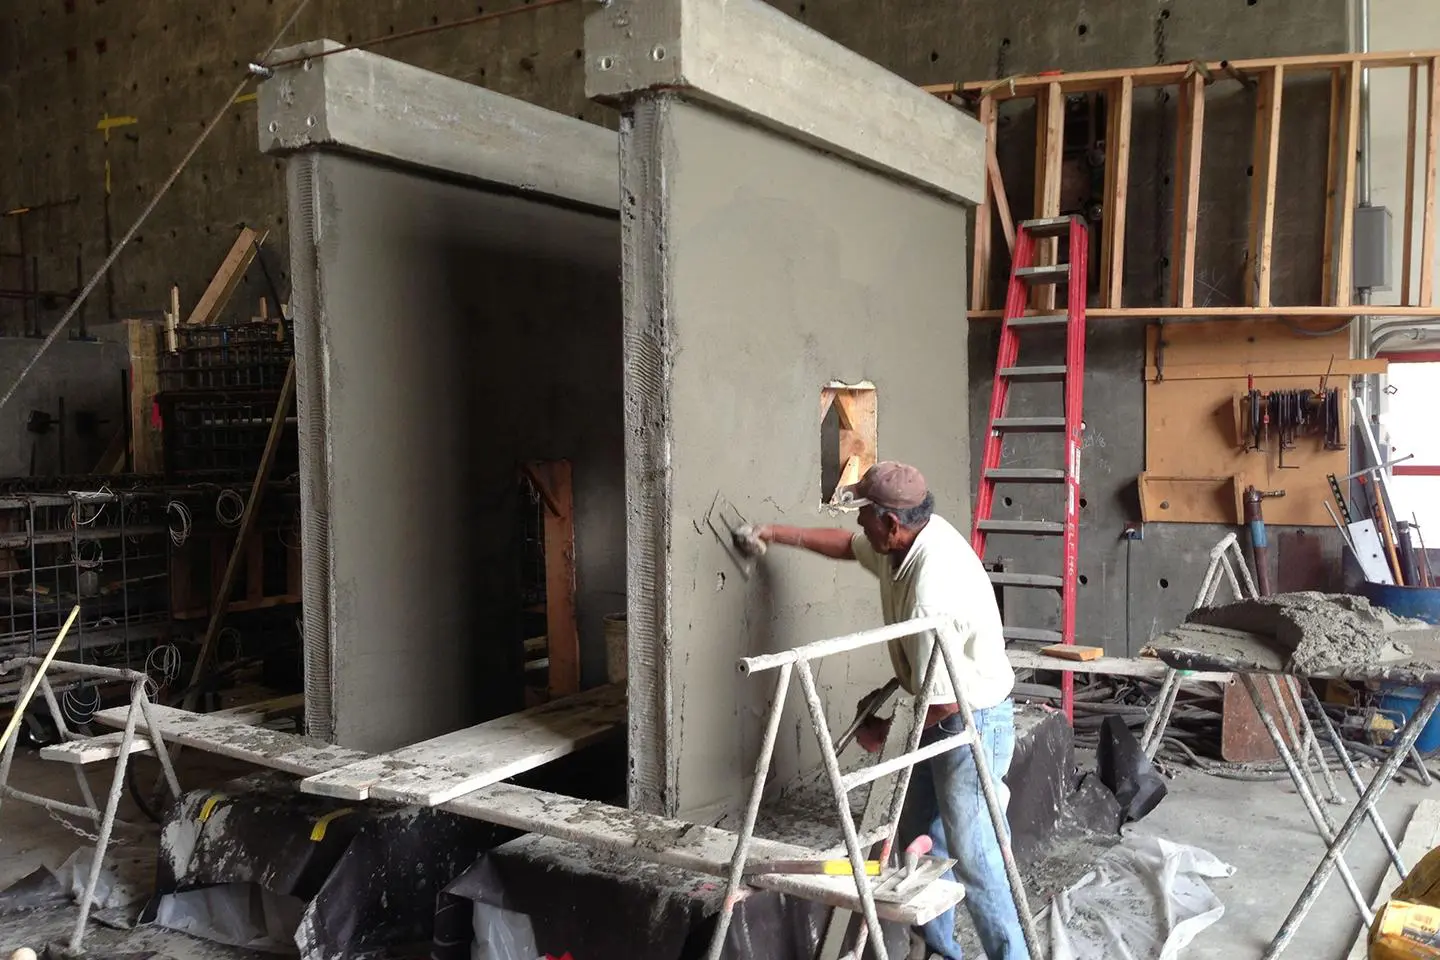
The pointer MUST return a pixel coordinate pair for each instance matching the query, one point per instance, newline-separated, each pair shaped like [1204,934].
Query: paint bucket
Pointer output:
[1404,701]
[1421,603]
[617,647]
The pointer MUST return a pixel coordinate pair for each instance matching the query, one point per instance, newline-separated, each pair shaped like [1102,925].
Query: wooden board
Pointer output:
[234,738]
[222,285]
[984,217]
[1117,193]
[449,766]
[146,445]
[1110,666]
[93,749]
[562,633]
[1190,425]
[1062,651]
[1421,836]
[1190,139]
[689,846]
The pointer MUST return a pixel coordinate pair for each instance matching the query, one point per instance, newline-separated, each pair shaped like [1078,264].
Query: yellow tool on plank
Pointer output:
[829,868]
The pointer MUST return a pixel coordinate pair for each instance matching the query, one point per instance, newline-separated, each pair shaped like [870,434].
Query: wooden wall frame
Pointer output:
[1190,79]
[552,480]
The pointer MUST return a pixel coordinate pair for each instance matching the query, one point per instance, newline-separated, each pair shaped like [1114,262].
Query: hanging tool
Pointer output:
[1426,578]
[1026,273]
[1387,533]
[1339,496]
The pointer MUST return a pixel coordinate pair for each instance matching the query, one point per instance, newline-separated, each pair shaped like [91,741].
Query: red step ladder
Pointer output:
[1029,238]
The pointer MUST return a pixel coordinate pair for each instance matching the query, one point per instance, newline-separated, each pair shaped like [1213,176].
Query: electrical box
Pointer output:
[1372,248]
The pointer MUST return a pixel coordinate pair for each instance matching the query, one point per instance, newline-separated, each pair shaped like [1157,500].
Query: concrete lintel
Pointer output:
[747,57]
[362,103]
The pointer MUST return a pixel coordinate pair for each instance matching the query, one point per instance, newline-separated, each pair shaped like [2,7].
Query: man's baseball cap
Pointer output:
[888,484]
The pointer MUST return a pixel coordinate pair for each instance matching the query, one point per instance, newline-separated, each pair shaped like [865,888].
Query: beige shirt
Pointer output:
[941,575]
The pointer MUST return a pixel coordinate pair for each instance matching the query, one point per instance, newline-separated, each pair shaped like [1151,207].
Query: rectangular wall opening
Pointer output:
[848,435]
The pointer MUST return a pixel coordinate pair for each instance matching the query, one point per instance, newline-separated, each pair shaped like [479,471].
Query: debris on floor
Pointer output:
[1144,900]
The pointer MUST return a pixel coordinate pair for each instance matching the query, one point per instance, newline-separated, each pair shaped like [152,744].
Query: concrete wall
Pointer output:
[785,268]
[87,375]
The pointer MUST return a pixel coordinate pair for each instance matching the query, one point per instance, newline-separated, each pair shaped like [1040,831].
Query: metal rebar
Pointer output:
[847,823]
[1377,786]
[752,812]
[1349,767]
[997,812]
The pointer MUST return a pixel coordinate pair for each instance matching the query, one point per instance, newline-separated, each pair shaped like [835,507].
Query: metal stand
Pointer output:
[798,661]
[105,819]
[1336,841]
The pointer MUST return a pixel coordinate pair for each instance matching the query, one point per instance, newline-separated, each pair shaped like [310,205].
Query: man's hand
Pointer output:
[750,539]
[872,734]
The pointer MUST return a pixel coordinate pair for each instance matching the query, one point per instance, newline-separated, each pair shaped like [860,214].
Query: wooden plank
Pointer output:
[1345,255]
[860,439]
[93,749]
[1407,226]
[231,737]
[1063,651]
[980,262]
[689,846]
[1189,499]
[1051,146]
[1427,209]
[1332,188]
[439,770]
[1119,124]
[1190,128]
[222,285]
[1002,202]
[1169,74]
[1147,667]
[1422,834]
[1315,367]
[146,440]
[1268,169]
[560,624]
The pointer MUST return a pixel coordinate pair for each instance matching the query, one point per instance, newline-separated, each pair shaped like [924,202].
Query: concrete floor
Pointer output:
[1260,828]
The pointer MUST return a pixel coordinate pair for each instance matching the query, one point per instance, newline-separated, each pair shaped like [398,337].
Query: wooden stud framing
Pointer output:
[1407,229]
[1332,189]
[1118,124]
[984,231]
[1262,187]
[1049,151]
[1345,255]
[1432,147]
[1190,127]
[552,479]
[1002,202]
[232,269]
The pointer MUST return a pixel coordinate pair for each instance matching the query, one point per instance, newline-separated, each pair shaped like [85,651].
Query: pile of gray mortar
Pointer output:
[1321,631]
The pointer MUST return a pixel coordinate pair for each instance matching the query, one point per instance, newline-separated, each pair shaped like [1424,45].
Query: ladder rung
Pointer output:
[1038,581]
[1032,527]
[1040,320]
[1024,475]
[1029,424]
[1047,226]
[1048,273]
[865,775]
[1047,372]
[1033,635]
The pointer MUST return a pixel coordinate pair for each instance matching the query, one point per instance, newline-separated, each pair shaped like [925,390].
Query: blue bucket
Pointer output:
[1404,701]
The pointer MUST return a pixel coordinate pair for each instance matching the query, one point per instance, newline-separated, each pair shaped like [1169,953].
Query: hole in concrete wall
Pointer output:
[1083,579]
[848,435]
[1250,170]
[934,55]
[1004,41]
[1164,584]
[1007,501]
[1084,503]
[1082,29]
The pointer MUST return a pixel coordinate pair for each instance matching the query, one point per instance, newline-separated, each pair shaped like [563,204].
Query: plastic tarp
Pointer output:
[1145,900]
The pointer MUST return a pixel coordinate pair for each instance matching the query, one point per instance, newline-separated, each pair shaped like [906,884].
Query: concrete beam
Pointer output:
[365,104]
[746,57]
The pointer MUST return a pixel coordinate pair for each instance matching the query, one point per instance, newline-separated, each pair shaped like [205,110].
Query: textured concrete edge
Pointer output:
[747,57]
[306,299]
[648,361]
[367,104]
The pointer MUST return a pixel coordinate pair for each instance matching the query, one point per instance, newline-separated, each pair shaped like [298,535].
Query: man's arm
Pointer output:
[831,542]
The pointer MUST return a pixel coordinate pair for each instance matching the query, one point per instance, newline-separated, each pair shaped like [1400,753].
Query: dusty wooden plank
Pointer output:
[234,738]
[1427,209]
[93,749]
[1117,192]
[689,846]
[438,770]
[1061,651]
[1345,255]
[1188,154]
[1407,226]
[980,261]
[1422,835]
[1271,160]
[1111,666]
[222,285]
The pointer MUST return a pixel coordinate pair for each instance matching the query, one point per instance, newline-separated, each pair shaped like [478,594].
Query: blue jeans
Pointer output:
[946,802]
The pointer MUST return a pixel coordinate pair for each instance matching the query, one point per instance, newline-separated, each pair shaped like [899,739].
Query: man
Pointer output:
[925,566]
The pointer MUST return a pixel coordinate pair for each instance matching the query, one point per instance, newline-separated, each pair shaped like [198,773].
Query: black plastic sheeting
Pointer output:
[1124,768]
[597,905]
